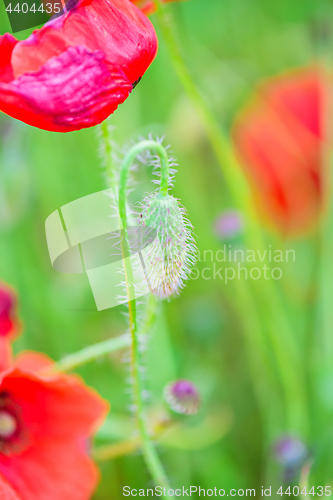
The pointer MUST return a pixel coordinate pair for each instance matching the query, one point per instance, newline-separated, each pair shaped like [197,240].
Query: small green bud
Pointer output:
[172,254]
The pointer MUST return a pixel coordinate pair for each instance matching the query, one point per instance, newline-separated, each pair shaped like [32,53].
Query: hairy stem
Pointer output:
[105,130]
[149,451]
[91,353]
[110,451]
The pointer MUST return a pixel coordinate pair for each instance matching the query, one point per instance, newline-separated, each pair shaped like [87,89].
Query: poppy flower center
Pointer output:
[8,425]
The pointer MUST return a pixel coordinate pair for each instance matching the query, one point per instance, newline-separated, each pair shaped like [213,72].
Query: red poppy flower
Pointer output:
[9,323]
[75,71]
[279,138]
[148,6]
[45,422]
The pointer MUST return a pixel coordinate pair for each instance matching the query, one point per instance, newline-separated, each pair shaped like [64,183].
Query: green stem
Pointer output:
[105,129]
[276,324]
[91,353]
[111,451]
[115,450]
[150,454]
[128,160]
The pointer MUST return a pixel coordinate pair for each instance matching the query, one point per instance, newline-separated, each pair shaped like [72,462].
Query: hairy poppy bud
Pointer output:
[172,253]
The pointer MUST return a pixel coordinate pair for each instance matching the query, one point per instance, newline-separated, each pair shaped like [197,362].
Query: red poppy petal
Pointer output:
[56,416]
[6,491]
[57,409]
[302,96]
[6,325]
[278,138]
[147,6]
[116,27]
[286,190]
[29,361]
[9,323]
[51,472]
[7,44]
[6,354]
[74,90]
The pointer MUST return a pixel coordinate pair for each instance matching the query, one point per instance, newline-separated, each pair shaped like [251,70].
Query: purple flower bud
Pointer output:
[182,396]
[290,451]
[228,224]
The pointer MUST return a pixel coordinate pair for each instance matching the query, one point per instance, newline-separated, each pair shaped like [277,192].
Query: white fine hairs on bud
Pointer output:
[170,257]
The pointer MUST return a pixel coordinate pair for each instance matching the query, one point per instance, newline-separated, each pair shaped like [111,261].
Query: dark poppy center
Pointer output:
[14,437]
[8,425]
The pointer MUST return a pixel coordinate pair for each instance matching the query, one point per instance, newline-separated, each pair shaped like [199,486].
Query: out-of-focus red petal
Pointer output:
[61,408]
[51,472]
[7,44]
[6,354]
[30,361]
[300,97]
[74,90]
[148,7]
[9,323]
[6,491]
[58,415]
[279,139]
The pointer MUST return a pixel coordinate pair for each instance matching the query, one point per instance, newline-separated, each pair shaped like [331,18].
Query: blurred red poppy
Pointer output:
[45,422]
[148,6]
[75,71]
[9,323]
[279,137]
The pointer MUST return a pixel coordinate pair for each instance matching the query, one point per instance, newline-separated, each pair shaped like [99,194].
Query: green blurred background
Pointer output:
[229,45]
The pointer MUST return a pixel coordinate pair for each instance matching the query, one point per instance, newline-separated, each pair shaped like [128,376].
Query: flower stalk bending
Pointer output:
[149,451]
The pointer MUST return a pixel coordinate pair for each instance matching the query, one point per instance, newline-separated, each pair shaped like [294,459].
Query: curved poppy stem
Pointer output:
[151,457]
[128,160]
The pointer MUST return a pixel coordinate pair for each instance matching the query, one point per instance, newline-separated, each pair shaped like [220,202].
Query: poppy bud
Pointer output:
[172,253]
[228,225]
[290,451]
[182,397]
